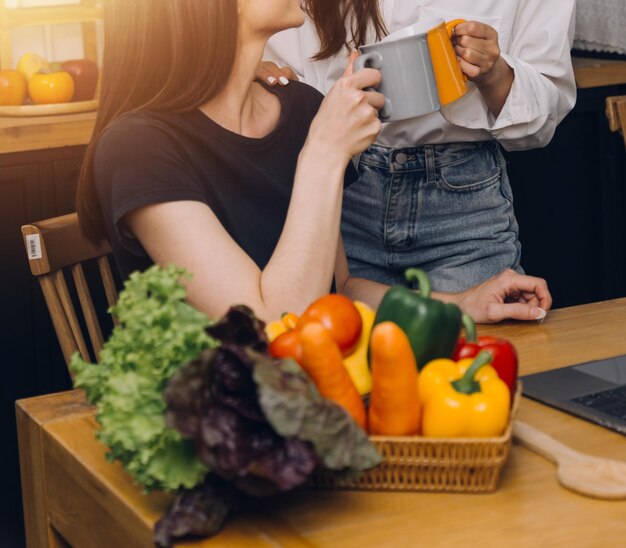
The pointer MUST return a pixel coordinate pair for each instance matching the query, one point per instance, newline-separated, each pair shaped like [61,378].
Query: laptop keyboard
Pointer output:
[610,402]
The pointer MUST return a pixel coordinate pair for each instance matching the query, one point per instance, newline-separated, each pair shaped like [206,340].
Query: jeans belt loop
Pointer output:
[429,161]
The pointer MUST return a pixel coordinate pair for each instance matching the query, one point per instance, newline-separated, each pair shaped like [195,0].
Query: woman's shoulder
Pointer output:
[135,127]
[299,94]
[137,136]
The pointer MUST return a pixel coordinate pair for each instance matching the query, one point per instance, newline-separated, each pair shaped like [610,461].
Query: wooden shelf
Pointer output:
[38,133]
[22,17]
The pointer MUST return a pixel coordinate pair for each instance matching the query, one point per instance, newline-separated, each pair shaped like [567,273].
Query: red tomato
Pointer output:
[12,88]
[340,318]
[287,345]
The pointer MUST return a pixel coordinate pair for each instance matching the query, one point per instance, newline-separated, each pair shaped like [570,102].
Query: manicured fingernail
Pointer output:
[537,313]
[271,80]
[283,80]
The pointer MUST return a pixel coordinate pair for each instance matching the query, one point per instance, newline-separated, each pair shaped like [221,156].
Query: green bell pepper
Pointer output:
[432,326]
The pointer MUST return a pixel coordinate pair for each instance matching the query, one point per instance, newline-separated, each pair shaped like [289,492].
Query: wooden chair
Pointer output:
[57,244]
[616,113]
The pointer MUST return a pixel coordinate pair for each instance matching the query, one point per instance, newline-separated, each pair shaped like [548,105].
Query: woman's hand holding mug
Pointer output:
[476,45]
[347,121]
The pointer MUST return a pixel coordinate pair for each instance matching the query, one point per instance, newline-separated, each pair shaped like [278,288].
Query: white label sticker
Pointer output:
[33,247]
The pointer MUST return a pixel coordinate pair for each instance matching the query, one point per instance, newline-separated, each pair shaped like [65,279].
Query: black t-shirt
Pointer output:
[146,158]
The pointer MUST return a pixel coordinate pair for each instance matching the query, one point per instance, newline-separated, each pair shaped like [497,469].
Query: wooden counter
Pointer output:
[71,492]
[594,73]
[44,132]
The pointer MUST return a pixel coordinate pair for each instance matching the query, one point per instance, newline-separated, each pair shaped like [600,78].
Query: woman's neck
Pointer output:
[243,106]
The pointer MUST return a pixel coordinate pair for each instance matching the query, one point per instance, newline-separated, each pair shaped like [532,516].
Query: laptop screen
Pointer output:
[612,370]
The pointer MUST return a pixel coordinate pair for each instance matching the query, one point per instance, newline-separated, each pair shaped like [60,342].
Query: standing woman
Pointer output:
[195,163]
[433,191]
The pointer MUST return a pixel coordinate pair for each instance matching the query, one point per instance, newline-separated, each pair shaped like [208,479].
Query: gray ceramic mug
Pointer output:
[408,81]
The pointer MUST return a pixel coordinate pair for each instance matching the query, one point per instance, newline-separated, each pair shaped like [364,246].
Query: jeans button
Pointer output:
[401,158]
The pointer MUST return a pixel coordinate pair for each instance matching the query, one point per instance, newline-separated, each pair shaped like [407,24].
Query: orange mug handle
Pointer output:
[450,28]
[451,24]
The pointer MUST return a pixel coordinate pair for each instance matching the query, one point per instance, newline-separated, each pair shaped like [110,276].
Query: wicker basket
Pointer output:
[459,465]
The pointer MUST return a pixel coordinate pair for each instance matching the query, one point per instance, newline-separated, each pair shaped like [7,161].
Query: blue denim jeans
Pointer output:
[447,209]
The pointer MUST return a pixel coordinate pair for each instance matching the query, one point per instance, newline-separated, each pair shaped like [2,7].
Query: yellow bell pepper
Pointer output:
[463,399]
[286,323]
[357,362]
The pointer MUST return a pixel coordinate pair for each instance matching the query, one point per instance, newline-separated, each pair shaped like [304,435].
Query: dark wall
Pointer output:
[33,186]
[570,200]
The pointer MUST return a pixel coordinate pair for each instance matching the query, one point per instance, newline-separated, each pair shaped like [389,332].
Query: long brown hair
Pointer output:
[344,23]
[169,55]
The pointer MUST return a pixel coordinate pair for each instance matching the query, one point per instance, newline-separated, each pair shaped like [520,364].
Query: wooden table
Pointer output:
[71,492]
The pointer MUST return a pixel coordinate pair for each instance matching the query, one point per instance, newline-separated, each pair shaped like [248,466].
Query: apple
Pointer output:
[85,73]
[30,64]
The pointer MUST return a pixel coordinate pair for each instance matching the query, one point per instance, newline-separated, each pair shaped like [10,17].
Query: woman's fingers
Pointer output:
[375,99]
[349,70]
[508,295]
[476,30]
[272,74]
[529,285]
[268,72]
[497,312]
[365,78]
[289,73]
[469,69]
[531,299]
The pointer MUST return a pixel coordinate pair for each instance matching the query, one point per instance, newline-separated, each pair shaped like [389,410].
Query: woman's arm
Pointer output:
[543,90]
[506,296]
[301,267]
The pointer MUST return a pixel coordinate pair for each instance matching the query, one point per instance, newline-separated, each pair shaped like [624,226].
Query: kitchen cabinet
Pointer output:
[570,199]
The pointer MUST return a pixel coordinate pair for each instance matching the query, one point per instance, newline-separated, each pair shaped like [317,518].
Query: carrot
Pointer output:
[394,404]
[322,360]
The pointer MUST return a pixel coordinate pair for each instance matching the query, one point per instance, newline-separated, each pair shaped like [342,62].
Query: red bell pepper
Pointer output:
[503,352]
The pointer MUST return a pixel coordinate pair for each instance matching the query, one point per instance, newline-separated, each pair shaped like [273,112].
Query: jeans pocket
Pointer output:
[473,172]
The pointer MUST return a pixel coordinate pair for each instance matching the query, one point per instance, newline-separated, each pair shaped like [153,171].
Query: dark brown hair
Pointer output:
[172,55]
[344,23]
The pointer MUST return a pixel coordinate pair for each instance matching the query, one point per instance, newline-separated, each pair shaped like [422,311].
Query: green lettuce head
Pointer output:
[157,332]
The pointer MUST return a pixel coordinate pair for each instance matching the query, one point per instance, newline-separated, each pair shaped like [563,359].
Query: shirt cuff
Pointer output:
[518,107]
[472,112]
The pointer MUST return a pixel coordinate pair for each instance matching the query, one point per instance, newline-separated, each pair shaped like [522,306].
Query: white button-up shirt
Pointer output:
[535,39]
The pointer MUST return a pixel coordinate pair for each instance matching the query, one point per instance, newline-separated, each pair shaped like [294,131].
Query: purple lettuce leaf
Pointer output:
[240,327]
[199,512]
[294,407]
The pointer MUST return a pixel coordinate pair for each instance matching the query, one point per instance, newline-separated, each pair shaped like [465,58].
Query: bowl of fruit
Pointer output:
[37,87]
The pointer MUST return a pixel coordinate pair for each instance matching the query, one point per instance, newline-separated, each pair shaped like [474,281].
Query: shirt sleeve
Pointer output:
[138,164]
[544,89]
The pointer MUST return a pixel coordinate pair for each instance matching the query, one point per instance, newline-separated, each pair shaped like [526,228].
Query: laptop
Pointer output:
[595,391]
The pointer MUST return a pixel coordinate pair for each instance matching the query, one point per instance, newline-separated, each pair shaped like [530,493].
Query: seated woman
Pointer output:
[195,163]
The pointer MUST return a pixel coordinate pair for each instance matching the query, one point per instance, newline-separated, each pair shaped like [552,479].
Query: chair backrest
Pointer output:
[57,244]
